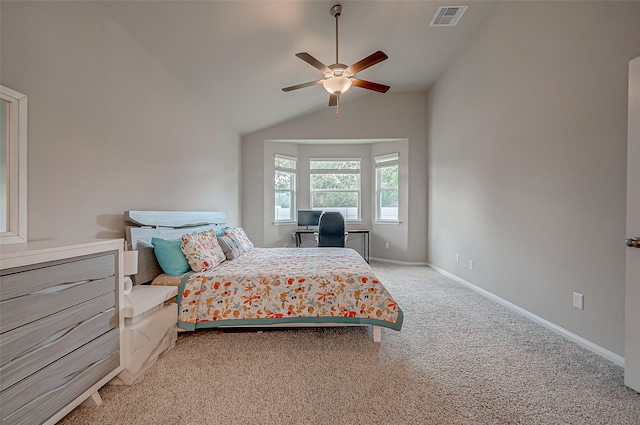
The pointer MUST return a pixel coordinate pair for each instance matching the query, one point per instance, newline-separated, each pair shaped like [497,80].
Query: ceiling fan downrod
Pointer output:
[335,12]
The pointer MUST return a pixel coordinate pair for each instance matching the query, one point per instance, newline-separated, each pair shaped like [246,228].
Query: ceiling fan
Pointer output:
[338,78]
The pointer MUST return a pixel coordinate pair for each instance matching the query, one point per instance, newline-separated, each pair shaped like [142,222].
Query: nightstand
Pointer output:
[150,329]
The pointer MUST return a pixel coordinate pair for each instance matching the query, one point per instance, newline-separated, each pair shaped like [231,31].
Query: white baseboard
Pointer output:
[402,263]
[603,352]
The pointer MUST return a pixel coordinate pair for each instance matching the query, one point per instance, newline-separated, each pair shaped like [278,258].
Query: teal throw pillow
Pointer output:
[170,256]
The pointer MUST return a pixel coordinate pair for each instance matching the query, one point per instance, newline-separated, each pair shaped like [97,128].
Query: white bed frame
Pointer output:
[172,225]
[164,225]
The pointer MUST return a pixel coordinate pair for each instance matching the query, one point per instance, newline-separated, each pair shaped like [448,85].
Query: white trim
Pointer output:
[401,263]
[16,231]
[284,223]
[285,157]
[337,159]
[355,171]
[388,159]
[334,141]
[387,222]
[603,352]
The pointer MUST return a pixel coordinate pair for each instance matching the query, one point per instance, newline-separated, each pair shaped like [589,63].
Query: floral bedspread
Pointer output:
[287,285]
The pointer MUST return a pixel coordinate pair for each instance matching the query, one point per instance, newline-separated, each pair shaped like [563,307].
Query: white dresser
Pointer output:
[61,324]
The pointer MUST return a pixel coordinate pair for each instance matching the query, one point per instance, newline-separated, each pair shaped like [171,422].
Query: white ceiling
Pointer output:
[237,55]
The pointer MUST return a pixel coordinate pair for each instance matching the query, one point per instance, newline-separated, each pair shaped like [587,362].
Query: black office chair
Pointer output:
[331,230]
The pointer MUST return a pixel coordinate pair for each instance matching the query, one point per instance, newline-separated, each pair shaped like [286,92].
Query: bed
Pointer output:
[267,287]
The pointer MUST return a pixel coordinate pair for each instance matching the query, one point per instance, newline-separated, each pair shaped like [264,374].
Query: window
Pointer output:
[387,187]
[335,186]
[285,188]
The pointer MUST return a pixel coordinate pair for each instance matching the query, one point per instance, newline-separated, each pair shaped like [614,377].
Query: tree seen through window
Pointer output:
[335,186]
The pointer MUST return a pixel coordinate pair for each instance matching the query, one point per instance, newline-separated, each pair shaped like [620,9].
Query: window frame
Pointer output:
[346,171]
[293,175]
[381,162]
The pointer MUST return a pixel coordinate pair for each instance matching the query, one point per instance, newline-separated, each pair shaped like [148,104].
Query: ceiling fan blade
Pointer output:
[303,85]
[369,85]
[313,61]
[365,63]
[333,100]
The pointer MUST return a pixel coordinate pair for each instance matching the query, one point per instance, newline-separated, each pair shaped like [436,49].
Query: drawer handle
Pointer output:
[67,379]
[60,287]
[61,383]
[58,335]
[49,340]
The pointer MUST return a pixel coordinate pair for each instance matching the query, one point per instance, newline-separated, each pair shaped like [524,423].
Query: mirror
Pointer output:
[13,166]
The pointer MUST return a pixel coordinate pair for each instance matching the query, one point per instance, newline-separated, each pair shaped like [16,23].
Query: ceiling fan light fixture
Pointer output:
[338,77]
[337,85]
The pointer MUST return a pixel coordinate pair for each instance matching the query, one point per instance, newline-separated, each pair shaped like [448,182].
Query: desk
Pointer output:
[363,232]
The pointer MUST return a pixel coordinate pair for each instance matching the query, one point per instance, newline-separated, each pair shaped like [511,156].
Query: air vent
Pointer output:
[448,16]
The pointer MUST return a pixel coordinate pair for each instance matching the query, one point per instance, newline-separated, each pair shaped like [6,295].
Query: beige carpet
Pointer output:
[459,359]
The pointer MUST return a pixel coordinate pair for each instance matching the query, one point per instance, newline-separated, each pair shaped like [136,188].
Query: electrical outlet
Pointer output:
[471,264]
[578,301]
[457,258]
[386,245]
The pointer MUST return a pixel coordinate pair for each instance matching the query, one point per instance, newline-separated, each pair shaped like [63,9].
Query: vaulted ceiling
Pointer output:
[237,55]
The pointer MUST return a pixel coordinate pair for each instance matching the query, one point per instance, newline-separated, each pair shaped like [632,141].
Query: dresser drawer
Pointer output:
[35,399]
[17,282]
[29,348]
[27,296]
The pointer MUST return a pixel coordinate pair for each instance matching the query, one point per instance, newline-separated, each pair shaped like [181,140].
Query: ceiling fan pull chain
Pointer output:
[337,107]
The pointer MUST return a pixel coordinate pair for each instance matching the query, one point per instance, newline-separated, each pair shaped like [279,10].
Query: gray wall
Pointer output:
[109,128]
[372,116]
[527,160]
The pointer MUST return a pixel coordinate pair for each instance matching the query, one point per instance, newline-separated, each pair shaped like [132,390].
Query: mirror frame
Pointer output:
[17,162]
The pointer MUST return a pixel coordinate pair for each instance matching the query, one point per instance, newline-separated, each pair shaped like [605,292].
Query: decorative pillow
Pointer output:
[241,236]
[230,246]
[170,256]
[220,232]
[216,247]
[202,250]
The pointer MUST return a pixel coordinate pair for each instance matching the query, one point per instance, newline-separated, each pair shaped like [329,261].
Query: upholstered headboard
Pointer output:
[165,225]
